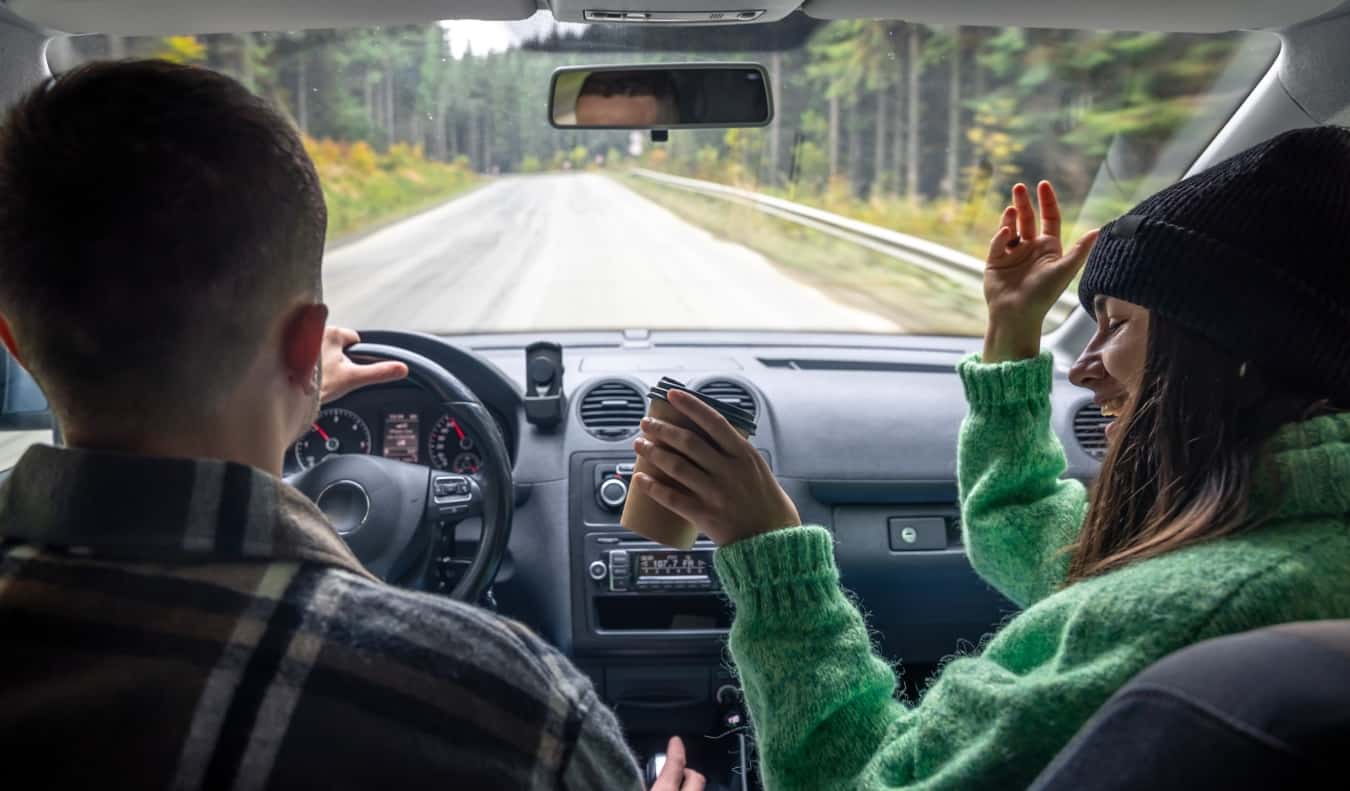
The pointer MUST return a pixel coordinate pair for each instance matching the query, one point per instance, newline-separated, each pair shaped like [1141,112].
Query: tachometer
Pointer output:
[335,431]
[451,449]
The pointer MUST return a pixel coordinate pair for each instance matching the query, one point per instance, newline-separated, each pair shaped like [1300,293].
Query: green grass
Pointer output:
[919,301]
[376,220]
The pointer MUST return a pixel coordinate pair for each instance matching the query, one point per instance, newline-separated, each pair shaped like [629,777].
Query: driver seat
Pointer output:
[1264,709]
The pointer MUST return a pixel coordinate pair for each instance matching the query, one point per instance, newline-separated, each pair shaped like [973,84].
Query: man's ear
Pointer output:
[7,338]
[302,343]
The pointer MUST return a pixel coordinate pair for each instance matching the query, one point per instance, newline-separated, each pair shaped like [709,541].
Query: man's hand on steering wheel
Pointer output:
[340,375]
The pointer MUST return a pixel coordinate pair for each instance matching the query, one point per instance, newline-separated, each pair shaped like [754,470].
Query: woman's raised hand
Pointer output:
[1026,271]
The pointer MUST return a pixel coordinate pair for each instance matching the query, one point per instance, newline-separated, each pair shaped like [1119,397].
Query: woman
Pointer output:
[1223,504]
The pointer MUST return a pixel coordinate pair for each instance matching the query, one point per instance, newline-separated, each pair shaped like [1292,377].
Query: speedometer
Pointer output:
[452,449]
[335,431]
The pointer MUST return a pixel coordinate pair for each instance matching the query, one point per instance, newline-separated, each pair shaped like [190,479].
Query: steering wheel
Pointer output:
[396,516]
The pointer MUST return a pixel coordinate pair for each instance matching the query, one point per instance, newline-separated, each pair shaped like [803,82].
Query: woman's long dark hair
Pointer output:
[1186,453]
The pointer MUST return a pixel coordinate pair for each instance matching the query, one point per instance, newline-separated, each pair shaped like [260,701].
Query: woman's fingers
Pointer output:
[1026,215]
[998,246]
[1049,202]
[727,439]
[676,467]
[683,504]
[683,440]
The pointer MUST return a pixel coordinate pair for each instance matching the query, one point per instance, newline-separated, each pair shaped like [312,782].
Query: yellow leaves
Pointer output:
[361,157]
[181,49]
[362,185]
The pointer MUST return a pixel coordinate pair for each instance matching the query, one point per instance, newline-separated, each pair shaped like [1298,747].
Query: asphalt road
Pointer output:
[566,251]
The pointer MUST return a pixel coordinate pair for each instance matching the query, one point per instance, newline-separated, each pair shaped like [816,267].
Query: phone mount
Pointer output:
[544,399]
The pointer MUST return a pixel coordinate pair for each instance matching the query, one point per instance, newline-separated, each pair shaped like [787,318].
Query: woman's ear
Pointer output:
[302,344]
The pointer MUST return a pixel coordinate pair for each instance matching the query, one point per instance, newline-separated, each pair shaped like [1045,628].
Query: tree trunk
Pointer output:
[855,147]
[368,88]
[898,140]
[954,118]
[912,120]
[487,140]
[301,94]
[776,129]
[834,136]
[389,100]
[879,155]
[475,154]
[439,144]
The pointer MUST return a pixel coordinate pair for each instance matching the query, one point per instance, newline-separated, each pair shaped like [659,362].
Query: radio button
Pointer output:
[613,492]
[598,570]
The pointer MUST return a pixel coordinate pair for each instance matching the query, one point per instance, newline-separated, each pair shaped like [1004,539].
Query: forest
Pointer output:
[910,126]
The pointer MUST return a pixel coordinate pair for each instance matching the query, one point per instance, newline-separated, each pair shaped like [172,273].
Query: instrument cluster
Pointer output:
[399,423]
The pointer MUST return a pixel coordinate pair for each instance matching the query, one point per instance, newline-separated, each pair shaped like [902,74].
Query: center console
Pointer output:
[630,595]
[649,622]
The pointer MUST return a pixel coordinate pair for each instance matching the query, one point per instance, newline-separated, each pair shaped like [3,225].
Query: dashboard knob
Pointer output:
[613,492]
[598,570]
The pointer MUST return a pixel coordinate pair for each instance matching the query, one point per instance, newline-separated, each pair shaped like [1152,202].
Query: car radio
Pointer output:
[644,566]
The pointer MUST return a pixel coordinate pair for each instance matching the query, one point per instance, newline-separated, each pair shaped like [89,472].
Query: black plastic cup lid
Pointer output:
[742,419]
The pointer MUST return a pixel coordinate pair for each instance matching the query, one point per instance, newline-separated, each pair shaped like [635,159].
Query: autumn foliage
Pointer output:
[363,186]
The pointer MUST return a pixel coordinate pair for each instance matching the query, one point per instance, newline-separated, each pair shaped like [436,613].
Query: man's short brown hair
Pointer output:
[155,221]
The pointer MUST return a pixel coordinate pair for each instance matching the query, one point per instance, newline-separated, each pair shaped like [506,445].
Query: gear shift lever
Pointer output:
[654,766]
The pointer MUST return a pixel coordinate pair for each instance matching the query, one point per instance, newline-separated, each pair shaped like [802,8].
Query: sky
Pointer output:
[480,37]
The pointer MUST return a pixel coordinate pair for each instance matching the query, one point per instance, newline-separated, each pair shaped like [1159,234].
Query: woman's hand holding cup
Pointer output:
[1026,271]
[716,479]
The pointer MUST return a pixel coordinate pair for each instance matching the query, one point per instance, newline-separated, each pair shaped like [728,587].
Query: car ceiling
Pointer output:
[208,16]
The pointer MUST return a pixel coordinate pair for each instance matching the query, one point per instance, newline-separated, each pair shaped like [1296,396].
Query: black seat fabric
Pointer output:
[1260,710]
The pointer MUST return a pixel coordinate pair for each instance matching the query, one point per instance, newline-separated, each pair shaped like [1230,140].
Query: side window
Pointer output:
[24,419]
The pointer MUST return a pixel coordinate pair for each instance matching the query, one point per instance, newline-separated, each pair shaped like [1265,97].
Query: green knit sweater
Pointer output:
[823,704]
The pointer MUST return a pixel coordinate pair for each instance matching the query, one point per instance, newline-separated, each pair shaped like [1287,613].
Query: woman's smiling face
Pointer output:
[1112,364]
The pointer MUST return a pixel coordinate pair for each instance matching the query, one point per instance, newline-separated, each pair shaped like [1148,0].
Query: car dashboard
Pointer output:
[860,430]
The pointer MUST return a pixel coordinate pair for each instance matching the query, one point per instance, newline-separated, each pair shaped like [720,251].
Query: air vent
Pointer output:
[730,392]
[612,410]
[1089,427]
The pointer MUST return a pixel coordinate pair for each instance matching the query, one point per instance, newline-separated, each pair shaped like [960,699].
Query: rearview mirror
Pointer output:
[680,96]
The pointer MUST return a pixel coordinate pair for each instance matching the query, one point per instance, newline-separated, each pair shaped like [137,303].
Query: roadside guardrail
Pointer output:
[930,256]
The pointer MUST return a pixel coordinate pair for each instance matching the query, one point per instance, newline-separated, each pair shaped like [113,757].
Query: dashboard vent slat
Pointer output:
[1089,428]
[730,392]
[612,410]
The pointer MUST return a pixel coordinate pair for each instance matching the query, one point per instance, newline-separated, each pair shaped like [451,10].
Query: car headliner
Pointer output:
[207,16]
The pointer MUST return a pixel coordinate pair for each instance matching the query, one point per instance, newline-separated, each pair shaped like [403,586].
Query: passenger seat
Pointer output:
[1261,710]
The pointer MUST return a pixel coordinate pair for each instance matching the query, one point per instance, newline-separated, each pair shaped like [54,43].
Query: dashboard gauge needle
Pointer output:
[459,432]
[322,433]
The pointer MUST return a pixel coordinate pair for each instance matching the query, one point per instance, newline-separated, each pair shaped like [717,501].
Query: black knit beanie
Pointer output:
[1253,253]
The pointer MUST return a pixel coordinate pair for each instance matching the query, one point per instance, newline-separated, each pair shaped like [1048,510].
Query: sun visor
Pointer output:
[1187,16]
[167,17]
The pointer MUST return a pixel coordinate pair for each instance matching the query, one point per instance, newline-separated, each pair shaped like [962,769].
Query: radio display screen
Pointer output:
[673,564]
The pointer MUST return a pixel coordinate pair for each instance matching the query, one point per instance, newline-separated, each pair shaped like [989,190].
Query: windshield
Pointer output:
[865,206]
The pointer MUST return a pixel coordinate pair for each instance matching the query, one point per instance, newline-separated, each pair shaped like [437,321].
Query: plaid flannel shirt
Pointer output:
[172,623]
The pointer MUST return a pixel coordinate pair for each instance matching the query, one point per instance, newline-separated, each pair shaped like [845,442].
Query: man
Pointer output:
[627,98]
[172,614]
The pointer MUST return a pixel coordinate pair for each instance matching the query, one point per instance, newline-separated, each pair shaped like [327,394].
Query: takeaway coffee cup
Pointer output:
[641,514]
